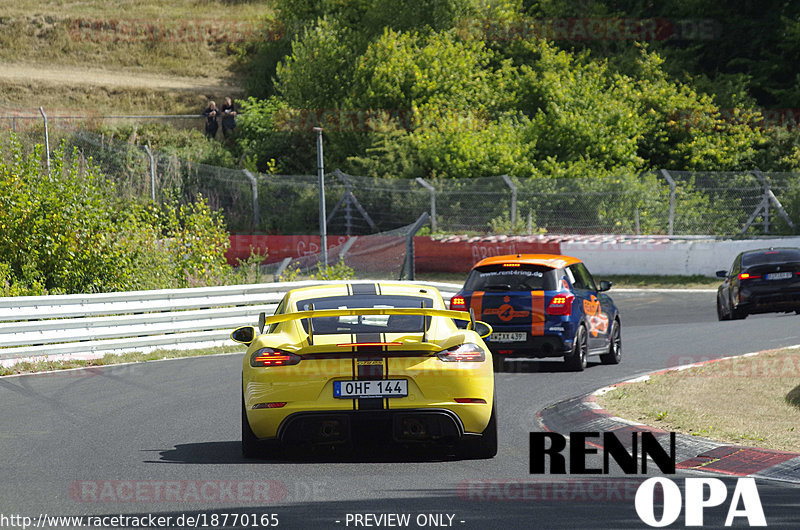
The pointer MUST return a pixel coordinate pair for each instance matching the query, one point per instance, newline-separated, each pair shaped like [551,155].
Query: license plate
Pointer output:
[779,275]
[368,389]
[509,336]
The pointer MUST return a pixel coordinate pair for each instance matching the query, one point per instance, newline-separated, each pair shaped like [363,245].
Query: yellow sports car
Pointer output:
[342,363]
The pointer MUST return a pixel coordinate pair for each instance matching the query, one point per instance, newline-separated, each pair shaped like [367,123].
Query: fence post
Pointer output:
[671,182]
[46,140]
[152,171]
[323,220]
[511,185]
[408,265]
[432,191]
[768,198]
[254,186]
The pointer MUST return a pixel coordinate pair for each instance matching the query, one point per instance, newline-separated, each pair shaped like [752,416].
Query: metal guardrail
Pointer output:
[91,325]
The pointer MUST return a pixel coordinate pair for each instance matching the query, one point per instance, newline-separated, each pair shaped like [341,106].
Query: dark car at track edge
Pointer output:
[760,281]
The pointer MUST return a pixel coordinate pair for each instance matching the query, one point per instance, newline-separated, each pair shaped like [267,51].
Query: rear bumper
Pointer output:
[539,346]
[401,425]
[756,301]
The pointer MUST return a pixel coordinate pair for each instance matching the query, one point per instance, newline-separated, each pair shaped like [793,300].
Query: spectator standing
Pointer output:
[228,117]
[211,113]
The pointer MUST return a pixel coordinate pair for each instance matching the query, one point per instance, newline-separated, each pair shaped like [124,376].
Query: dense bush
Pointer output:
[68,231]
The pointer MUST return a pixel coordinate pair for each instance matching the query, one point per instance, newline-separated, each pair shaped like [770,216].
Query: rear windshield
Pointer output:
[506,278]
[771,257]
[367,323]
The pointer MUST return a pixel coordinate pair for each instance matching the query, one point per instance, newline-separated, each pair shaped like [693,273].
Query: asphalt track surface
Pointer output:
[150,425]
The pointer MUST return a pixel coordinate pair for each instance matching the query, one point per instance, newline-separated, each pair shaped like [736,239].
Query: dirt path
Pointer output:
[31,73]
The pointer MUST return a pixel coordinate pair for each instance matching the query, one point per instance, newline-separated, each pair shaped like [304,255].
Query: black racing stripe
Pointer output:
[364,288]
[354,377]
[369,371]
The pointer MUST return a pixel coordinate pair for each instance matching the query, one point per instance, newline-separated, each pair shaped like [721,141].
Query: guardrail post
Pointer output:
[671,182]
[432,191]
[511,185]
[254,186]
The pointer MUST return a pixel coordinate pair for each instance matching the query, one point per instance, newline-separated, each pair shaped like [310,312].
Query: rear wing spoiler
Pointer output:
[323,313]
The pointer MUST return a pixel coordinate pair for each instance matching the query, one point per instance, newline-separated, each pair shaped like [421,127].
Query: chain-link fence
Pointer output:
[658,202]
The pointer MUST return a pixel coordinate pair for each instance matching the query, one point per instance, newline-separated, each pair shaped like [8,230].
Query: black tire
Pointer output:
[721,314]
[797,311]
[251,446]
[738,314]
[614,355]
[577,360]
[474,448]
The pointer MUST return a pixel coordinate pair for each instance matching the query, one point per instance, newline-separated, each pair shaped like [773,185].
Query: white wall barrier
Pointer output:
[665,256]
[87,326]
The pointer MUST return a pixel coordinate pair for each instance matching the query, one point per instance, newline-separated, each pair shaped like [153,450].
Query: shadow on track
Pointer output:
[367,452]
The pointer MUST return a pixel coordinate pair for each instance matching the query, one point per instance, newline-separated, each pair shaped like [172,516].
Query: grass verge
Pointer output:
[110,359]
[746,400]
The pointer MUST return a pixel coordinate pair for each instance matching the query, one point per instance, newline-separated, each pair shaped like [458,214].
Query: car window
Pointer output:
[366,323]
[770,257]
[583,280]
[511,277]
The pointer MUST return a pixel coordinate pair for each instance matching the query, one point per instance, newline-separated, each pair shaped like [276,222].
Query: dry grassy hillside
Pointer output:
[129,56]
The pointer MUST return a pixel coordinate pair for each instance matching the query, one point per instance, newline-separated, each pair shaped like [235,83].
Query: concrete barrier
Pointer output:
[681,257]
[609,254]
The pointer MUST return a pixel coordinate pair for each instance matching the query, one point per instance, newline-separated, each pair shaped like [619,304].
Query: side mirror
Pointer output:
[483,329]
[604,285]
[245,334]
[722,274]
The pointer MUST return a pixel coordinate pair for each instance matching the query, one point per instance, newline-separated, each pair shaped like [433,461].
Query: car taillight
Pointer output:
[748,276]
[269,357]
[561,304]
[458,303]
[271,405]
[469,353]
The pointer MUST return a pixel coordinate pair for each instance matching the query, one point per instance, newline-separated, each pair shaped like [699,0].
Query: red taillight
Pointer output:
[272,405]
[510,264]
[748,276]
[470,353]
[561,304]
[269,357]
[470,400]
[458,303]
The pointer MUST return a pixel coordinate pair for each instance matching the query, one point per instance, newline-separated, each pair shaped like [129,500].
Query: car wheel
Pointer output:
[721,314]
[576,361]
[737,313]
[251,446]
[486,445]
[614,355]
